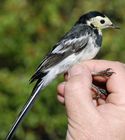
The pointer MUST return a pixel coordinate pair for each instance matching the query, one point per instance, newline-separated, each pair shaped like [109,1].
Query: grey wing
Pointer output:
[73,42]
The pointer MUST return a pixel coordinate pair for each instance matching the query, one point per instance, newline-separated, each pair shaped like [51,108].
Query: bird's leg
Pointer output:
[100,92]
[104,73]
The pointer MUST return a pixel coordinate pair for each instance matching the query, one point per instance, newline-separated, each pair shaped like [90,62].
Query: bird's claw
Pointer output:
[100,92]
[108,72]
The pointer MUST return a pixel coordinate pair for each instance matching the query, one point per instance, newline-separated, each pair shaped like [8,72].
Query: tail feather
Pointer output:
[38,83]
[38,75]
[39,86]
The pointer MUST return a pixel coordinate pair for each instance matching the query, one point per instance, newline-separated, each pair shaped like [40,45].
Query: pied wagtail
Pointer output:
[82,42]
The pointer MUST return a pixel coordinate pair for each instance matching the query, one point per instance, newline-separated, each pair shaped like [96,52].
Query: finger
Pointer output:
[99,65]
[101,101]
[78,90]
[115,84]
[100,78]
[60,99]
[116,79]
[60,89]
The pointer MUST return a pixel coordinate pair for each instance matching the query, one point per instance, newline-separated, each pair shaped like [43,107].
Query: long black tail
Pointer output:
[25,110]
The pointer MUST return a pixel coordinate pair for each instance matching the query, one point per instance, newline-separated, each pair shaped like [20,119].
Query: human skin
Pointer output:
[89,119]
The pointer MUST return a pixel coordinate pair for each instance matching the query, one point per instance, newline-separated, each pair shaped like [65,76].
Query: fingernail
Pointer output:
[62,84]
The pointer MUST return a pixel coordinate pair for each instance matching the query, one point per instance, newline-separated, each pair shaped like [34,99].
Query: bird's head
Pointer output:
[96,20]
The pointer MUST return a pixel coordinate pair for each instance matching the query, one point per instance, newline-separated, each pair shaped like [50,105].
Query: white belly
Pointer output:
[87,53]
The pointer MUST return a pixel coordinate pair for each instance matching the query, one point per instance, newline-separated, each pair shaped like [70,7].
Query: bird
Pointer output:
[82,42]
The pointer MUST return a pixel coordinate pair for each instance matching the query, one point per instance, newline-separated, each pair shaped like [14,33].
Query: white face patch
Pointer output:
[100,22]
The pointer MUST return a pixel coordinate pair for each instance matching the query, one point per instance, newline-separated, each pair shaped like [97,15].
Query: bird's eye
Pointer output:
[102,21]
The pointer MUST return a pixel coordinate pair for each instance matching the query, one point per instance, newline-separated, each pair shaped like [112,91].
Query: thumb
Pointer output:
[77,90]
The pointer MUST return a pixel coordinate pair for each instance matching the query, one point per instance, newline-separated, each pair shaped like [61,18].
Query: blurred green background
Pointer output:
[28,30]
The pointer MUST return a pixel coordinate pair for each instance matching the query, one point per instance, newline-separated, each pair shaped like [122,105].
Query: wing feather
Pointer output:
[72,42]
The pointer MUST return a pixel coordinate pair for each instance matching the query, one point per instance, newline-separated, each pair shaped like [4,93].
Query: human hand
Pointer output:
[88,120]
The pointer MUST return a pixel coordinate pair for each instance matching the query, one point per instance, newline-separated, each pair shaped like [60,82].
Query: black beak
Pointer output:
[114,26]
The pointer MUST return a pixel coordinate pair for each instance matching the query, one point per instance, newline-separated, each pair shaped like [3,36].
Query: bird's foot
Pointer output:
[104,73]
[100,92]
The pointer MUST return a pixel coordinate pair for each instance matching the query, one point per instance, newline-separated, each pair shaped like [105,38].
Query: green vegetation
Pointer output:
[28,30]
